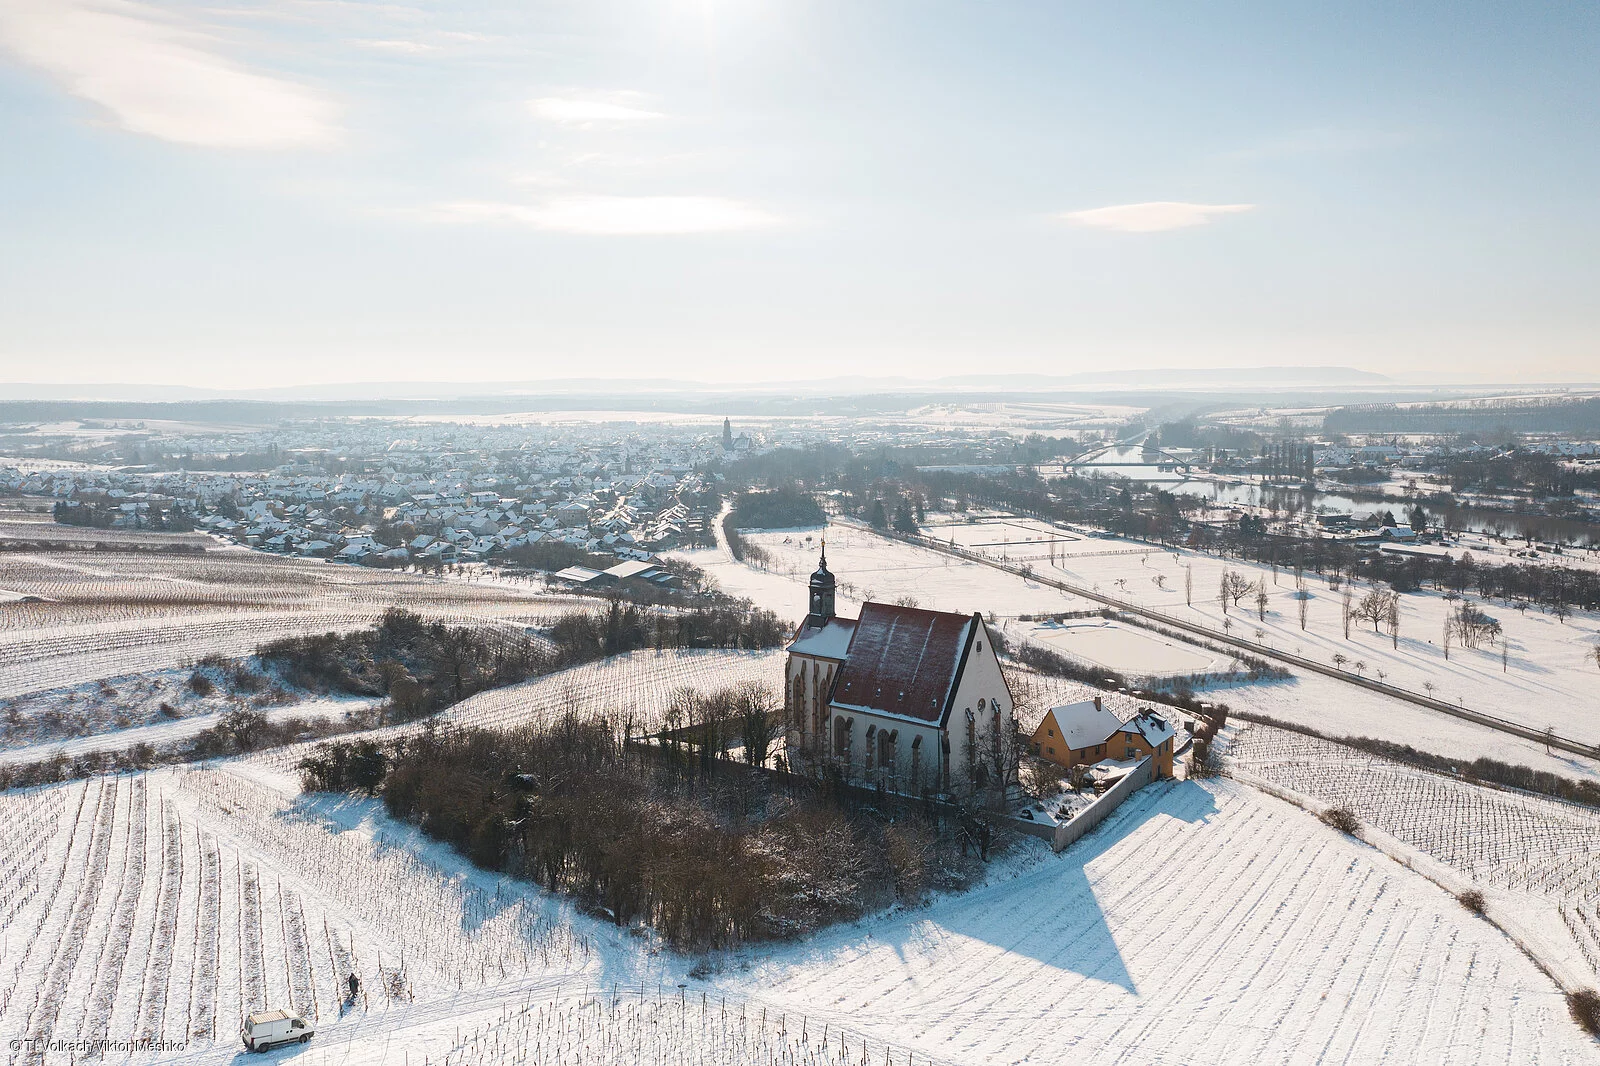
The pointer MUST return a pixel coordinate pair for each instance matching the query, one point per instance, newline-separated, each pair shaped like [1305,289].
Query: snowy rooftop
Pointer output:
[1155,729]
[1084,724]
[828,641]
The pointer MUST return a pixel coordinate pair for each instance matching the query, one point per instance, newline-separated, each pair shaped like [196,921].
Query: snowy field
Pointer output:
[1205,923]
[108,614]
[1532,849]
[1550,677]
[870,567]
[1124,648]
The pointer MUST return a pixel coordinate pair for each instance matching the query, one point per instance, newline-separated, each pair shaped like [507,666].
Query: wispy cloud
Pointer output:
[399,46]
[1152,217]
[618,215]
[163,77]
[566,109]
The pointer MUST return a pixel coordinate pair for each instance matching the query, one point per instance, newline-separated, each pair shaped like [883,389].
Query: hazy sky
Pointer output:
[234,193]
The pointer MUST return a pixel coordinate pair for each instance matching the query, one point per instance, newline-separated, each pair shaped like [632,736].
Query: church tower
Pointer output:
[822,592]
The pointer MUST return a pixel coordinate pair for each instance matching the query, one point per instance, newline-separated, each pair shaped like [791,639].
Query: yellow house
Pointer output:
[1147,734]
[1086,732]
[1077,733]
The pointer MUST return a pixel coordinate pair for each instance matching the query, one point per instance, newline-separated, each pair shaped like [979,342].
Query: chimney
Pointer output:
[1097,704]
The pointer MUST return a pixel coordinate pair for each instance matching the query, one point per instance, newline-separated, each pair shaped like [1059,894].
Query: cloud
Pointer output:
[403,47]
[162,77]
[562,109]
[1152,217]
[618,215]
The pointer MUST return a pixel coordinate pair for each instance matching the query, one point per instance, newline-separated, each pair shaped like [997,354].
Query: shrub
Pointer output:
[1585,1007]
[201,685]
[1473,900]
[1343,819]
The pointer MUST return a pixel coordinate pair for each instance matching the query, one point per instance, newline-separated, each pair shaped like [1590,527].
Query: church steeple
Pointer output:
[822,592]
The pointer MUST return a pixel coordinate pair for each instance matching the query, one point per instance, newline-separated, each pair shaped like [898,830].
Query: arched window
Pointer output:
[797,701]
[841,738]
[872,736]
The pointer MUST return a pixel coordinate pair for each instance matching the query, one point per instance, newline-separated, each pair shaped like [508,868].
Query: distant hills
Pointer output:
[1174,378]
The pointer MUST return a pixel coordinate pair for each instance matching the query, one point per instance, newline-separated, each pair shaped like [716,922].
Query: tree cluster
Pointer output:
[706,860]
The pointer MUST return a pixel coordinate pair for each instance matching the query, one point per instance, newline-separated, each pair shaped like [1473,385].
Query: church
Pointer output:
[904,699]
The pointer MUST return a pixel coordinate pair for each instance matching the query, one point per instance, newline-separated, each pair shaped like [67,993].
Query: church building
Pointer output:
[908,700]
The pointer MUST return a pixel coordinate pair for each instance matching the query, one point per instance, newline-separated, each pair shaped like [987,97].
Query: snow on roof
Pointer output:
[1155,729]
[631,569]
[903,661]
[828,641]
[578,574]
[1084,724]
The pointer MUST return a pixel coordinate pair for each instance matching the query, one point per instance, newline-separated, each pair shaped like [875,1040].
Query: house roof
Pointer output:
[1155,729]
[904,661]
[1083,724]
[635,568]
[830,640]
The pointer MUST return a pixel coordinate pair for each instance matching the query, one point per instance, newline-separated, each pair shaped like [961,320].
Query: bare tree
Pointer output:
[1428,687]
[759,724]
[1472,626]
[1360,666]
[1375,607]
[1340,658]
[1261,602]
[1394,620]
[1347,613]
[1449,631]
[1188,586]
[1235,587]
[1305,600]
[1597,654]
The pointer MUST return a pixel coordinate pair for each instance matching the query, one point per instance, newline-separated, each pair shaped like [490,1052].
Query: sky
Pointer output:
[240,194]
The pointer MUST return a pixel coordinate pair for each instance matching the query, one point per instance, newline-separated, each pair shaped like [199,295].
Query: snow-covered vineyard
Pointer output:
[115,613]
[1204,923]
[1534,849]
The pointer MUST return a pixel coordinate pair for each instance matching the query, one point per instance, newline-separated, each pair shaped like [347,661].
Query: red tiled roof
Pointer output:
[903,660]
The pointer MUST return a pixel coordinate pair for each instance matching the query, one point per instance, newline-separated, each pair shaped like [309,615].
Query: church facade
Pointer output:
[904,699]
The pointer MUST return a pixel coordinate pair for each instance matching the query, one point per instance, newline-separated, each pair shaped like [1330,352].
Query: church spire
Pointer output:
[822,592]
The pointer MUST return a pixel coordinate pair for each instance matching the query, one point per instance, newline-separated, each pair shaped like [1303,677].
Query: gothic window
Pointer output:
[797,703]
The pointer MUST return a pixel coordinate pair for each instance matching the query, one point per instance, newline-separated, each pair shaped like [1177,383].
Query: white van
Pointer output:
[274,1028]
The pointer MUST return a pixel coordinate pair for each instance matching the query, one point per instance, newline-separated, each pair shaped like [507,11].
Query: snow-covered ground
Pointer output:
[1204,923]
[872,567]
[1125,648]
[105,615]
[171,731]
[1549,679]
[1541,856]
